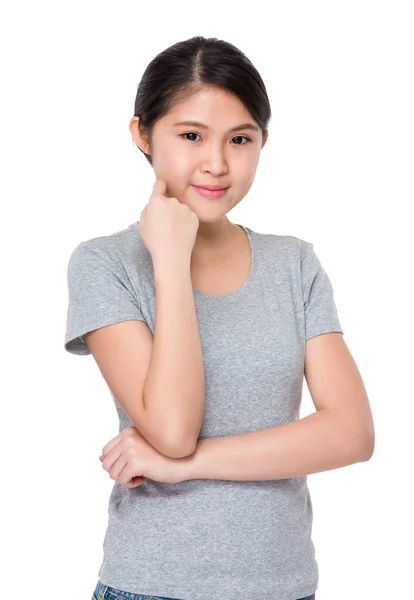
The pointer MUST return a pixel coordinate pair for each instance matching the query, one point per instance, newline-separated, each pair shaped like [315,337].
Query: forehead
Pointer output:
[218,109]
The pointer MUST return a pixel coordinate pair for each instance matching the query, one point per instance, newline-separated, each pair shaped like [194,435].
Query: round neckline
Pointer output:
[241,290]
[248,281]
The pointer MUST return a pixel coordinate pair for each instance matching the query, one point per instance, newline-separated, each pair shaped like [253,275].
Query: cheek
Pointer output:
[180,163]
[243,173]
[249,168]
[250,175]
[173,163]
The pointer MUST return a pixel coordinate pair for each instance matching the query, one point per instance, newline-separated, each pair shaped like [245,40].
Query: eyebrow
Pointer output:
[203,126]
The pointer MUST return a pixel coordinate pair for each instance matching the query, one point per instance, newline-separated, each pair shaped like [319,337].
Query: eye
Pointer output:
[193,133]
[190,133]
[242,136]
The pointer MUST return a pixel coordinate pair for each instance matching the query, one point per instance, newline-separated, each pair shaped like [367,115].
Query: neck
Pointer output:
[213,237]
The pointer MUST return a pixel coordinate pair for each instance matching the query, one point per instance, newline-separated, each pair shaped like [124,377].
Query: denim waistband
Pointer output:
[100,590]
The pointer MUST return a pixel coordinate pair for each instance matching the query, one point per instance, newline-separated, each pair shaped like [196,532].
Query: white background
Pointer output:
[337,170]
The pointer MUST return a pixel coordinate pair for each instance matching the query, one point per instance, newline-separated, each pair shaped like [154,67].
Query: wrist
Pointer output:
[171,266]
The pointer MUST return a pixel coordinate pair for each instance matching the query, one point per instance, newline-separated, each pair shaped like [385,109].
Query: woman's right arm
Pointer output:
[158,380]
[174,391]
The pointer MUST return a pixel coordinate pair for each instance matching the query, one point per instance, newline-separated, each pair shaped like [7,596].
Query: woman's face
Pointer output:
[222,153]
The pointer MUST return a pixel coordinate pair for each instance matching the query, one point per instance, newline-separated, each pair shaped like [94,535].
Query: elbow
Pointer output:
[182,446]
[170,449]
[178,445]
[359,439]
[168,437]
[173,446]
[366,447]
[369,440]
[164,444]
[179,450]
[369,449]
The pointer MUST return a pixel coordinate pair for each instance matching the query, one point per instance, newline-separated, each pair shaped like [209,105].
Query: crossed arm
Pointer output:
[339,433]
[321,441]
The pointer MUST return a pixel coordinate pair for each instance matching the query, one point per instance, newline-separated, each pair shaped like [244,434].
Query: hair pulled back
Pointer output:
[191,66]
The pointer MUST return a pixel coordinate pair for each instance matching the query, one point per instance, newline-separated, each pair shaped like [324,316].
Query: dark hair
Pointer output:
[188,67]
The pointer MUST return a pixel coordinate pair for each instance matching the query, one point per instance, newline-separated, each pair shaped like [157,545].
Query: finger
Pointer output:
[117,440]
[124,474]
[159,188]
[111,458]
[135,482]
[119,467]
[111,444]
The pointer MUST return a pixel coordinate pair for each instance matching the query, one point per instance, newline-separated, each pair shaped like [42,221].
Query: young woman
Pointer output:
[210,499]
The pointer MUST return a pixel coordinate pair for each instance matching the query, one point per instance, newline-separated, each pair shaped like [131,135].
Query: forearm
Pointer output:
[318,442]
[174,391]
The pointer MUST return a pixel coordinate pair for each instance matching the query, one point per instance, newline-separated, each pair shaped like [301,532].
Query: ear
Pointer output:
[140,141]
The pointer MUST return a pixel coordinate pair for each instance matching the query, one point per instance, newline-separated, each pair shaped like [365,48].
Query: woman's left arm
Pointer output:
[339,433]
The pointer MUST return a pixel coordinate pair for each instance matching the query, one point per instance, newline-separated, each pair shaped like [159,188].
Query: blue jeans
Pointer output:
[104,592]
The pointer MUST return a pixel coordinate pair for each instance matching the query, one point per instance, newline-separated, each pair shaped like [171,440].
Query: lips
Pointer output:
[208,193]
[212,187]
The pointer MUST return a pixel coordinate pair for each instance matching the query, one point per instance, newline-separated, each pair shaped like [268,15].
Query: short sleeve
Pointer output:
[321,314]
[99,294]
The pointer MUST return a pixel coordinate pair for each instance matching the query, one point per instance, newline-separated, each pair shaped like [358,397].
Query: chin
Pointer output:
[210,218]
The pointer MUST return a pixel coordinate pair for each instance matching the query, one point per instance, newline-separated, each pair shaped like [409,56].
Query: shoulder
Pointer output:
[113,249]
[290,248]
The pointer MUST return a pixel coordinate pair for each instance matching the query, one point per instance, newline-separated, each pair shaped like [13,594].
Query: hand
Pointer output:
[167,226]
[129,458]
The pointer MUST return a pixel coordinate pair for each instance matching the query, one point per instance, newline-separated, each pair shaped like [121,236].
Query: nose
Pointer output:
[214,160]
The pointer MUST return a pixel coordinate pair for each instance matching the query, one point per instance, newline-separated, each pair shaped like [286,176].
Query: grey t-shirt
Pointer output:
[209,539]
